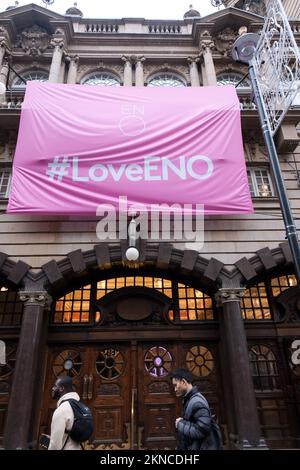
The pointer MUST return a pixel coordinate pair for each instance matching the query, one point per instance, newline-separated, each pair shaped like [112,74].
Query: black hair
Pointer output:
[182,374]
[66,382]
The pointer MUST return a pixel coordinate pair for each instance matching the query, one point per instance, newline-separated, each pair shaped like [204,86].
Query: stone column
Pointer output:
[194,74]
[2,52]
[28,373]
[4,71]
[127,71]
[55,68]
[139,71]
[210,72]
[73,67]
[203,73]
[233,335]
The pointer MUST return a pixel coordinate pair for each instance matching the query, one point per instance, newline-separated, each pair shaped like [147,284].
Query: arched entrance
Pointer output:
[121,359]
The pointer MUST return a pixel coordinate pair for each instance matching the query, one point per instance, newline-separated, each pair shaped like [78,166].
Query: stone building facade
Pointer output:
[70,304]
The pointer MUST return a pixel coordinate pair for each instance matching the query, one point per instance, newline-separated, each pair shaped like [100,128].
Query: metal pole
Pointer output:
[290,226]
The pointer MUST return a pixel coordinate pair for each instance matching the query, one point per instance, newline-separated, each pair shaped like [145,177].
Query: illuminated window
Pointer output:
[166,79]
[194,304]
[101,79]
[282,283]
[188,304]
[74,307]
[5,180]
[263,368]
[199,361]
[108,285]
[260,182]
[255,303]
[37,76]
[11,308]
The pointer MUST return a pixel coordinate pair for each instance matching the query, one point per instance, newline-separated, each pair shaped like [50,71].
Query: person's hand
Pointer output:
[176,422]
[44,441]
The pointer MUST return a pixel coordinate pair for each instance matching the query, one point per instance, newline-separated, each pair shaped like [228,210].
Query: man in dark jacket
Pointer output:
[194,427]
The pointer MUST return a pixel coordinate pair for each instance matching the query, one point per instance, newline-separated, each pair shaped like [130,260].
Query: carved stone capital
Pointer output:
[192,60]
[37,298]
[127,59]
[139,60]
[207,45]
[57,43]
[225,295]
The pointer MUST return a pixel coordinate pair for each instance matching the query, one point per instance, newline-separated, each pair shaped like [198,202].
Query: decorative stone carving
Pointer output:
[12,141]
[4,37]
[225,295]
[192,59]
[206,42]
[37,298]
[138,59]
[128,58]
[57,43]
[34,40]
[254,147]
[225,40]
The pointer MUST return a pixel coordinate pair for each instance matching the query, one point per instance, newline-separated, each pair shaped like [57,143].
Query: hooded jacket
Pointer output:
[62,420]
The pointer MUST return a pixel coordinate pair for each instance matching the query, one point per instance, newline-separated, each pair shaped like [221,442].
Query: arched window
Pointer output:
[101,79]
[263,367]
[35,75]
[282,283]
[166,79]
[232,78]
[189,304]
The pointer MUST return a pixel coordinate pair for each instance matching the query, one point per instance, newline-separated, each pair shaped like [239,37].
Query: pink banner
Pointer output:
[84,146]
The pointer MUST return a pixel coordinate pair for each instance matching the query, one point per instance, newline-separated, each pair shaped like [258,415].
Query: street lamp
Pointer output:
[244,50]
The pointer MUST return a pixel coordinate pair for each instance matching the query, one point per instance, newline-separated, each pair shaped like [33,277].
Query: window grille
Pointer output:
[255,303]
[260,182]
[264,368]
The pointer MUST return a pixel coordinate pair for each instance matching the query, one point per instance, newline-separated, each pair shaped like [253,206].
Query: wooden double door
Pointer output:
[127,385]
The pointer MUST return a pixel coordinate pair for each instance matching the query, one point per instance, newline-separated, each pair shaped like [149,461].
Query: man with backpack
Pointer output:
[71,421]
[197,429]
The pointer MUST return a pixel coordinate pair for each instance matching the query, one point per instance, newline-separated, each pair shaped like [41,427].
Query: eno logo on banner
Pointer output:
[2,353]
[295,358]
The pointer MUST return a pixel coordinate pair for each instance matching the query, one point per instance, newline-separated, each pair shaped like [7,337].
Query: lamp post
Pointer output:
[245,50]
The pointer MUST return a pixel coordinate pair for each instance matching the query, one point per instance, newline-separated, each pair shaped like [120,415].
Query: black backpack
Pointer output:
[82,427]
[216,435]
[214,438]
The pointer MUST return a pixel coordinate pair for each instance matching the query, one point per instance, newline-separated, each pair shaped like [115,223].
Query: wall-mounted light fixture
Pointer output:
[132,253]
